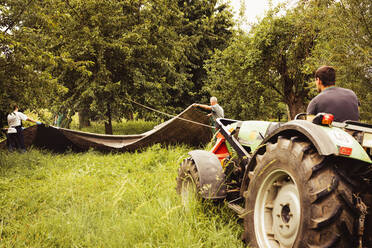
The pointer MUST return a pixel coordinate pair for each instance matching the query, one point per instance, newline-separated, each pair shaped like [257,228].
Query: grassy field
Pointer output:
[118,128]
[105,200]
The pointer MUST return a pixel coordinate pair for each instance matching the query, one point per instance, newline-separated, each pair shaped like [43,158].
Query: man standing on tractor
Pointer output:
[215,108]
[342,103]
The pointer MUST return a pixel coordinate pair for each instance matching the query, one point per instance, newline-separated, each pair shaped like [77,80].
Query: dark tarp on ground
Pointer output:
[173,131]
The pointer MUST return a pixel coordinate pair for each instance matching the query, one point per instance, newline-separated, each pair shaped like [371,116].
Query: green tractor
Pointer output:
[295,184]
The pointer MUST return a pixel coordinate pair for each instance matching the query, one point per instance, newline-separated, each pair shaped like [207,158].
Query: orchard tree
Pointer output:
[93,56]
[283,44]
[207,26]
[149,52]
[270,62]
[345,41]
[25,67]
[237,87]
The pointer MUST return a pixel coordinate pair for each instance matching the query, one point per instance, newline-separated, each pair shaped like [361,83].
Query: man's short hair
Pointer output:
[213,99]
[326,74]
[14,106]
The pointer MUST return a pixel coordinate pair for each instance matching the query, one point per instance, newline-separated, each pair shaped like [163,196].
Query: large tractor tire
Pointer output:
[188,179]
[297,198]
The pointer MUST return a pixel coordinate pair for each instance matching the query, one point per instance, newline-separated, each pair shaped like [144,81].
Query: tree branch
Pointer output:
[362,17]
[276,89]
[5,65]
[73,9]
[17,17]
[366,24]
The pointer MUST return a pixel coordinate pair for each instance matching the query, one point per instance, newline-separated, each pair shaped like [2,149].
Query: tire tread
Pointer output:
[331,217]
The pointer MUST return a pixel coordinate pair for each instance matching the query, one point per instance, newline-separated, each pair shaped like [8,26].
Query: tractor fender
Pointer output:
[319,136]
[210,172]
[315,134]
[327,140]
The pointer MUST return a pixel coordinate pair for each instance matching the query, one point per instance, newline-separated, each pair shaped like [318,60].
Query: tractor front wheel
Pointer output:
[188,183]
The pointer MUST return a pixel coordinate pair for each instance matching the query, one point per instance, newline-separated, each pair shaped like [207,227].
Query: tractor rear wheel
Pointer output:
[188,180]
[296,198]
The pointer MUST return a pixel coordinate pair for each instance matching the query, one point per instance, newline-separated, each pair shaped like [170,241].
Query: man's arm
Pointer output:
[203,106]
[26,118]
[29,119]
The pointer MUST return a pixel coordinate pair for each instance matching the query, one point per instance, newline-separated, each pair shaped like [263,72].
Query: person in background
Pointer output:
[58,120]
[215,108]
[342,103]
[15,130]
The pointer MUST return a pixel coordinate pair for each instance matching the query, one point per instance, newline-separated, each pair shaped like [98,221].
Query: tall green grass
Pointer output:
[123,127]
[105,200]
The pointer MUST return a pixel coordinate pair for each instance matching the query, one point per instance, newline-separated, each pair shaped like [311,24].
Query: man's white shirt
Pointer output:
[14,119]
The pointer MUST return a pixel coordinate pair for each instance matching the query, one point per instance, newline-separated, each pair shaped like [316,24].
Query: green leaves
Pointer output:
[275,61]
[344,41]
[266,66]
[92,53]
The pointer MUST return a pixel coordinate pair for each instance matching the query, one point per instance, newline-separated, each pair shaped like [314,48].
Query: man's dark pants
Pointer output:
[19,138]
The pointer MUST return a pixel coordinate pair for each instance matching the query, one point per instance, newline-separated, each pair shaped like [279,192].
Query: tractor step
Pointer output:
[237,209]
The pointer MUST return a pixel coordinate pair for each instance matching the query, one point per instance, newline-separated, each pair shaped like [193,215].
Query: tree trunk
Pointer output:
[108,123]
[294,101]
[130,115]
[3,119]
[108,127]
[83,119]
[295,106]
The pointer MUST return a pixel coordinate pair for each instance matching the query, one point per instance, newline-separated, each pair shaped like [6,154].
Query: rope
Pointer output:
[169,115]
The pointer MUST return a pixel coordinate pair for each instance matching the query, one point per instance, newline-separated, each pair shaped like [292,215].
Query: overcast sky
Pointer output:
[256,8]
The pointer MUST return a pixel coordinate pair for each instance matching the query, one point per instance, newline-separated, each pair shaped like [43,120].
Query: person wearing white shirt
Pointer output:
[216,111]
[215,108]
[15,134]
